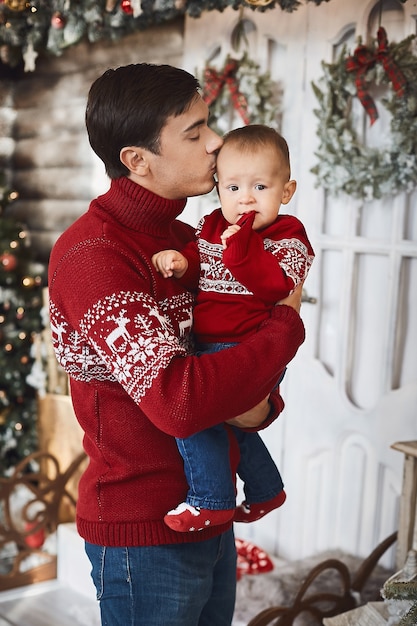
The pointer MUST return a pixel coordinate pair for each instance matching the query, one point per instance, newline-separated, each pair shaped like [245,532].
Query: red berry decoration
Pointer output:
[8,262]
[34,539]
[57,21]
[127,7]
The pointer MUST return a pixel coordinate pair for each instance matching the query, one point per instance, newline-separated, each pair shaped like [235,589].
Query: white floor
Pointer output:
[47,604]
[67,601]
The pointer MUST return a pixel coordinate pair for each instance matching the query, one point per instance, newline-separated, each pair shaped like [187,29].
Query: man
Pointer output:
[122,332]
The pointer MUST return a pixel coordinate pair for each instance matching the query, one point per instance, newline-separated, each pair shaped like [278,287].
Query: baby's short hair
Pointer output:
[258,136]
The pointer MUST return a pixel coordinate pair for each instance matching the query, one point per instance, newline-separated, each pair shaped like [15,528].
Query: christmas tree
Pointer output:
[21,284]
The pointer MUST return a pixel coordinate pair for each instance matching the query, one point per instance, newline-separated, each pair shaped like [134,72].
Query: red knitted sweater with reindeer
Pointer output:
[122,332]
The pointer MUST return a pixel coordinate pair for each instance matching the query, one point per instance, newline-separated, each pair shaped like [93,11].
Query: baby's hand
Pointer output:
[230,230]
[170,263]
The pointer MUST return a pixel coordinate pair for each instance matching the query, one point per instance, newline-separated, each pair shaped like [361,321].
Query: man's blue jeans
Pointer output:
[186,584]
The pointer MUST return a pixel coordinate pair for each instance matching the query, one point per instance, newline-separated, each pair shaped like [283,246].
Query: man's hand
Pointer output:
[294,299]
[254,417]
[170,263]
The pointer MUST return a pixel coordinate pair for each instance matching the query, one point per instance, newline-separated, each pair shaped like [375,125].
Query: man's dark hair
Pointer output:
[129,106]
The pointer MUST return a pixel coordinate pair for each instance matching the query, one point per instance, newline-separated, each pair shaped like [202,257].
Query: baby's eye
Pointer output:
[260,187]
[233,187]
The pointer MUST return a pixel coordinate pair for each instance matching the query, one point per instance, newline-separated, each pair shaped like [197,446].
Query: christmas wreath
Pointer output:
[239,87]
[345,163]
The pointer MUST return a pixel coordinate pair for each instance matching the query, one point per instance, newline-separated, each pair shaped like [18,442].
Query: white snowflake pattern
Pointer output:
[115,342]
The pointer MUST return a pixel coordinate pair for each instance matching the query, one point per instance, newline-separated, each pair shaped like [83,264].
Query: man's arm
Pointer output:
[180,393]
[259,414]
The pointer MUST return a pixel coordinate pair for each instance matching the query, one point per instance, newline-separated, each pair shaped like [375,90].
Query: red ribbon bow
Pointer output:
[214,83]
[251,559]
[363,59]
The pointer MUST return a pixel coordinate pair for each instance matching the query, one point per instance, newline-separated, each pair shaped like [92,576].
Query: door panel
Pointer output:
[351,391]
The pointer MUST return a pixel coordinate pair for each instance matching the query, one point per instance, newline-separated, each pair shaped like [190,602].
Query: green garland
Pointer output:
[196,7]
[262,95]
[345,164]
[403,590]
[30,27]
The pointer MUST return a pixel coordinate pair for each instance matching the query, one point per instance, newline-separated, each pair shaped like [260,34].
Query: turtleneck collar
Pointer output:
[137,208]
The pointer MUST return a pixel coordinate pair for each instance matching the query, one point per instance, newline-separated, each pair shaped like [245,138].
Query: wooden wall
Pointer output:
[43,141]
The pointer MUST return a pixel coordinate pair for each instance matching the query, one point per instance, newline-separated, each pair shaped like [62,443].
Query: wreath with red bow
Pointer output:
[345,163]
[239,89]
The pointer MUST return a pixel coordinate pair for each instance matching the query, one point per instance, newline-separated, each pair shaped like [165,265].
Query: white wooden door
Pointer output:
[351,391]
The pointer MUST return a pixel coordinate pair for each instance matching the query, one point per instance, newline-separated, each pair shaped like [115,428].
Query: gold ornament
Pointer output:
[4,54]
[4,415]
[259,3]
[110,5]
[16,5]
[28,281]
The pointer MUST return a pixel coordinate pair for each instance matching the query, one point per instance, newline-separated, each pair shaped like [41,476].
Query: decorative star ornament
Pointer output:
[29,56]
[136,6]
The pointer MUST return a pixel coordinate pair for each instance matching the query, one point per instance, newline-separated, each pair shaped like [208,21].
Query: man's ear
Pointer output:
[289,191]
[135,159]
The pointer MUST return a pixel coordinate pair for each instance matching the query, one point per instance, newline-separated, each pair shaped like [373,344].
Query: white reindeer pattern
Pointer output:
[120,332]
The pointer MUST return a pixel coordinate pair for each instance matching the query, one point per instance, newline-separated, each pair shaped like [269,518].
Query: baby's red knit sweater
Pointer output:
[239,286]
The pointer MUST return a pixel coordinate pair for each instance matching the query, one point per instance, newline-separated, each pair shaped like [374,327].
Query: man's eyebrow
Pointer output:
[194,125]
